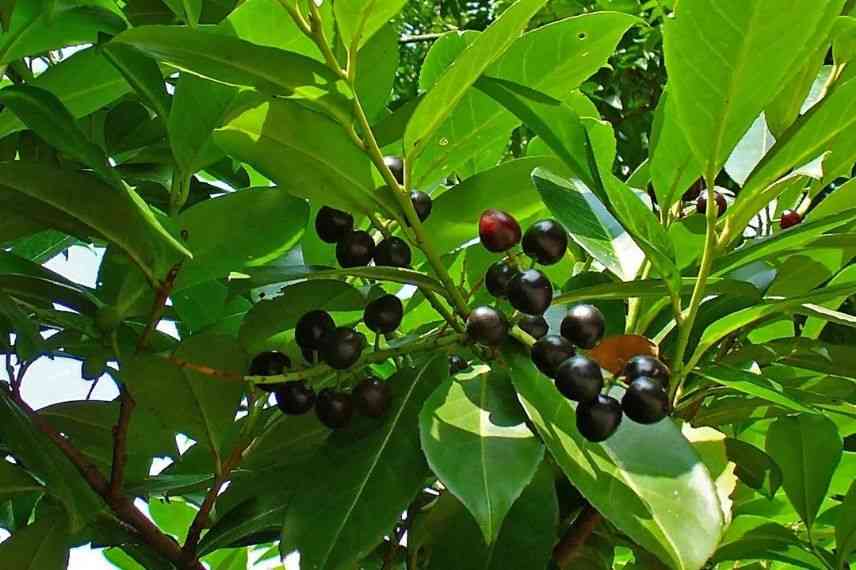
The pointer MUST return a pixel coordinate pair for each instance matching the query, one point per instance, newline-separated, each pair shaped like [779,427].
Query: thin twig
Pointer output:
[419,38]
[570,547]
[158,307]
[120,442]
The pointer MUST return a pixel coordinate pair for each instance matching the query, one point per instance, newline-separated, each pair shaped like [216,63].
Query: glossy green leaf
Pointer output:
[219,237]
[791,101]
[358,21]
[265,23]
[808,449]
[14,480]
[653,288]
[646,480]
[726,65]
[374,82]
[43,545]
[754,467]
[749,151]
[188,10]
[359,485]
[674,166]
[758,538]
[845,529]
[476,441]
[754,385]
[142,73]
[448,91]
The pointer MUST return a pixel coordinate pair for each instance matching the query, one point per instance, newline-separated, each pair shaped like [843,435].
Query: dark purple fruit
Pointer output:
[294,398]
[457,364]
[645,401]
[497,278]
[549,352]
[422,204]
[396,166]
[790,219]
[271,363]
[312,330]
[498,230]
[648,366]
[332,225]
[546,242]
[530,292]
[356,249]
[383,315]
[598,419]
[534,325]
[372,397]
[486,325]
[694,191]
[584,326]
[334,409]
[579,379]
[392,252]
[343,349]
[721,204]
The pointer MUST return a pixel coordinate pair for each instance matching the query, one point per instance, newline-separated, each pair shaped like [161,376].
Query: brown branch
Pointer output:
[158,307]
[571,546]
[120,442]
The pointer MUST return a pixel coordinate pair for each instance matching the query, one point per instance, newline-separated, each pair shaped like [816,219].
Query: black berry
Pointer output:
[332,225]
[486,325]
[530,292]
[545,242]
[598,419]
[422,204]
[396,166]
[313,329]
[457,364]
[647,366]
[579,379]
[645,401]
[694,191]
[549,352]
[383,315]
[334,409]
[498,230]
[790,219]
[372,397]
[497,278]
[584,326]
[294,398]
[271,363]
[343,349]
[721,204]
[392,252]
[534,325]
[356,249]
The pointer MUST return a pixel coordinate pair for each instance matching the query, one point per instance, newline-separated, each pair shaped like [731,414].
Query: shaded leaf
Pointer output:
[42,545]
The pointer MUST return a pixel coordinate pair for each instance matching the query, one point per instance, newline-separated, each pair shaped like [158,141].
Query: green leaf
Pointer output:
[306,154]
[788,104]
[674,167]
[200,405]
[845,529]
[589,223]
[44,113]
[233,61]
[14,480]
[726,64]
[652,288]
[28,341]
[758,538]
[85,82]
[448,537]
[359,20]
[749,151]
[264,22]
[374,82]
[24,279]
[142,73]
[476,441]
[646,480]
[808,449]
[754,385]
[187,10]
[441,100]
[130,224]
[42,545]
[218,236]
[363,479]
[754,467]
[173,517]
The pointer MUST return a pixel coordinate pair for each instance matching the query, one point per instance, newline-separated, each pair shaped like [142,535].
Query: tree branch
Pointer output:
[120,442]
[571,546]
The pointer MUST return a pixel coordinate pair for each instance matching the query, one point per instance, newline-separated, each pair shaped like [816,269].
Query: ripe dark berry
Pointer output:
[422,204]
[294,398]
[343,349]
[392,252]
[498,230]
[721,204]
[790,219]
[694,191]
[647,366]
[497,278]
[545,242]
[383,315]
[486,325]
[313,357]
[372,397]
[579,379]
[332,225]
[535,325]
[549,352]
[334,409]
[396,166]
[530,292]
[584,326]
[645,401]
[457,364]
[598,419]
[271,363]
[356,249]
[312,330]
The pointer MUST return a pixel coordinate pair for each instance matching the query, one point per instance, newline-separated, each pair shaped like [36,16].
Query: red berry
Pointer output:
[721,204]
[498,230]
[790,219]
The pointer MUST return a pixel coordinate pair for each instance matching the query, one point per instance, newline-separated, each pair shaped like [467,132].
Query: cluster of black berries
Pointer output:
[355,247]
